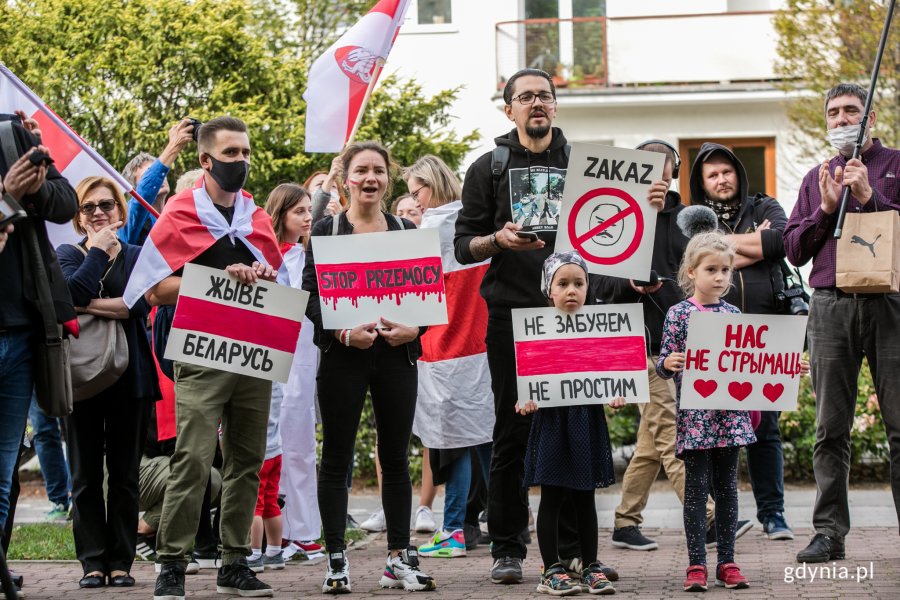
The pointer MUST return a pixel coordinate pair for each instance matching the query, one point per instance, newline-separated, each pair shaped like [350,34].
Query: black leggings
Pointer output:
[706,471]
[344,376]
[552,500]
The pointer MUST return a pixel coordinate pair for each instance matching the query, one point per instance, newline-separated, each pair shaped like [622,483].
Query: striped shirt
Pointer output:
[809,232]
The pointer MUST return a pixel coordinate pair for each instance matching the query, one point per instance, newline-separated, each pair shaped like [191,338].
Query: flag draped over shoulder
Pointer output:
[337,83]
[455,405]
[188,226]
[72,156]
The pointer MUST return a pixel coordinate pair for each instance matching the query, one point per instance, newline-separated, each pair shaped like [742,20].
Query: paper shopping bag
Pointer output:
[868,253]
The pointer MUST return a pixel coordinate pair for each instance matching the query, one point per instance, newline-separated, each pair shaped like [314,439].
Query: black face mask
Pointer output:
[230,176]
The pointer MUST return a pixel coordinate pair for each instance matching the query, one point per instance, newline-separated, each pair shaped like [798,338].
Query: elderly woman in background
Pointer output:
[114,421]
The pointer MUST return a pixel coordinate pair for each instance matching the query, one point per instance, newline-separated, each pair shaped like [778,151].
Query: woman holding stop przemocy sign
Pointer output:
[708,441]
[364,358]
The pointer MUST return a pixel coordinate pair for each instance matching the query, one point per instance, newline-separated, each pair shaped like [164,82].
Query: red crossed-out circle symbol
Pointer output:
[578,240]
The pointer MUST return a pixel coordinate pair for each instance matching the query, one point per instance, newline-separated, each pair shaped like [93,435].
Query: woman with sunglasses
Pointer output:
[113,423]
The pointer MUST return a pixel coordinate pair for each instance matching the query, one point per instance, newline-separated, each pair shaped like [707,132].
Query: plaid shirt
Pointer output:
[809,232]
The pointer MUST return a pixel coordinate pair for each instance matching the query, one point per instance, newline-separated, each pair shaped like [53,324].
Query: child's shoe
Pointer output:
[445,544]
[696,579]
[403,572]
[728,575]
[556,582]
[594,581]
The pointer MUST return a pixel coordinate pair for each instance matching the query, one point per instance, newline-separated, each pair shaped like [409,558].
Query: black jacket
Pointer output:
[514,278]
[55,201]
[755,286]
[668,249]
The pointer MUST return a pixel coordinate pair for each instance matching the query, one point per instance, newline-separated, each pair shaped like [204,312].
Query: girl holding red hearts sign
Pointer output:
[707,440]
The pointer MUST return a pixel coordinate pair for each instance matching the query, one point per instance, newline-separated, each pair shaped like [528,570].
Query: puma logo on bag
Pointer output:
[858,240]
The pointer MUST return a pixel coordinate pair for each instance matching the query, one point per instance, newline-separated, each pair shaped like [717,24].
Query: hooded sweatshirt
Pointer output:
[754,286]
[514,278]
[668,249]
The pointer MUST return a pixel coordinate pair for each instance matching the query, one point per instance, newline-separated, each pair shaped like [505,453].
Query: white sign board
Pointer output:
[395,275]
[605,215]
[588,357]
[743,361]
[251,329]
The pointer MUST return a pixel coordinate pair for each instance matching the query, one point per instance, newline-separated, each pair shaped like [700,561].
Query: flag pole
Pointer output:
[845,198]
[379,65]
[144,203]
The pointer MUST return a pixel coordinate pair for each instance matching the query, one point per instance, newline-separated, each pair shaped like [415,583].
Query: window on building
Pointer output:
[756,154]
[434,12]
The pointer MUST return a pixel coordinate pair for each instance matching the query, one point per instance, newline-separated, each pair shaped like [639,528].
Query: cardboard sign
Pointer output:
[743,362]
[588,357]
[605,215]
[232,326]
[396,275]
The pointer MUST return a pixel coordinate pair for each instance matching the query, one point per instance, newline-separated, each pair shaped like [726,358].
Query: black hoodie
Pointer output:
[514,278]
[668,249]
[754,286]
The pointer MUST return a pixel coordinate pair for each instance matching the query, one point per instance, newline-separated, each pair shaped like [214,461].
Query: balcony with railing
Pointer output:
[593,54]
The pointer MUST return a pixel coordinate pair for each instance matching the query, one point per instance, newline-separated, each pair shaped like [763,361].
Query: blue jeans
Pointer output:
[15,398]
[48,446]
[456,491]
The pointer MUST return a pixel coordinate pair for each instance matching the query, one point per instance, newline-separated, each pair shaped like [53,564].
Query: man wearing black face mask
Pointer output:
[217,225]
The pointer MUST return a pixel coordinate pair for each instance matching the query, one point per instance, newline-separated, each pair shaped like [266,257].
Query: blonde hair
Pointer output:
[188,180]
[435,173]
[701,246]
[88,185]
[282,199]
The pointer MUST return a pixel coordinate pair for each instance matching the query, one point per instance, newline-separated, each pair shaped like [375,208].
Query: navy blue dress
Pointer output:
[568,446]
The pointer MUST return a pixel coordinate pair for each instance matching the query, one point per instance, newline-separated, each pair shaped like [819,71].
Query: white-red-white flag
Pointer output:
[455,405]
[72,156]
[338,80]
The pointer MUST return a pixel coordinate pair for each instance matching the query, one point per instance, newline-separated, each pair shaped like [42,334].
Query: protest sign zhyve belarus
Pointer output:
[587,357]
[605,215]
[395,275]
[251,329]
[743,361]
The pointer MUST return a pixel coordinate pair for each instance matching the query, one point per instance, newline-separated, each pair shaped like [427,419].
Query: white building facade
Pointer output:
[626,71]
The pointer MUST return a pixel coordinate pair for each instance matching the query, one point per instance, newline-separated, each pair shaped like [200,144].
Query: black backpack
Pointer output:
[500,161]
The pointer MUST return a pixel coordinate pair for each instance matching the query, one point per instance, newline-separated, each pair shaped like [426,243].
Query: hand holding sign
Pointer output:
[396,334]
[251,274]
[656,194]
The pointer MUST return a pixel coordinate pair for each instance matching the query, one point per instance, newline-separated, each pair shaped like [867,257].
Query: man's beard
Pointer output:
[537,133]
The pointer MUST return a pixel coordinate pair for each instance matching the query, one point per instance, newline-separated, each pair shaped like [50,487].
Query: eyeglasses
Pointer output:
[415,194]
[528,98]
[88,208]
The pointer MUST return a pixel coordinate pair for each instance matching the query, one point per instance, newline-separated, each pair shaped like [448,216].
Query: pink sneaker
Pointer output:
[728,575]
[696,579]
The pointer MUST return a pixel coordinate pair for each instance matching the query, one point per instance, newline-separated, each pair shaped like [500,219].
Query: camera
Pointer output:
[793,300]
[196,123]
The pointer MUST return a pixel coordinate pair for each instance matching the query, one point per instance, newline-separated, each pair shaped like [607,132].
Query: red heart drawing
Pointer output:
[705,387]
[740,390]
[773,391]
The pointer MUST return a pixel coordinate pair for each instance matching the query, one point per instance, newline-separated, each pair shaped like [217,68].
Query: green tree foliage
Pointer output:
[821,43]
[120,72]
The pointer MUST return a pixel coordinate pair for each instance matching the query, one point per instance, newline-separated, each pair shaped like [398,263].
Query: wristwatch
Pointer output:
[495,242]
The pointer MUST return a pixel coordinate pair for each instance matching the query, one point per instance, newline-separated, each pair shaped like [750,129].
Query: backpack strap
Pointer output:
[399,222]
[335,223]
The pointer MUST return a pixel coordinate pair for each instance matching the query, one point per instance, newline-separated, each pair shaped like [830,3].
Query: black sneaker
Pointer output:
[170,582]
[238,579]
[743,526]
[472,533]
[822,548]
[207,559]
[145,547]
[507,570]
[631,537]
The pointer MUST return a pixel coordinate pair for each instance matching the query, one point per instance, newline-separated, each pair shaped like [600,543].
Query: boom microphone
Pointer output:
[697,219]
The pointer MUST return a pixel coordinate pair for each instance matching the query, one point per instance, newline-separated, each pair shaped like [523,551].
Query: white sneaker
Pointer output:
[337,574]
[375,522]
[403,572]
[424,522]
